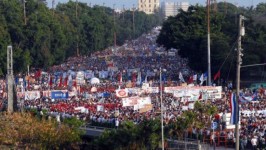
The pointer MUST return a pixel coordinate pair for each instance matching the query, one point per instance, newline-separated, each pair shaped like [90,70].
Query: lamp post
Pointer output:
[114,28]
[133,21]
[77,36]
[161,97]
[24,12]
[239,62]
[209,43]
[10,80]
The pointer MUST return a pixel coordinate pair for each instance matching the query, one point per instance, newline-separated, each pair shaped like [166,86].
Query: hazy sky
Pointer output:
[129,3]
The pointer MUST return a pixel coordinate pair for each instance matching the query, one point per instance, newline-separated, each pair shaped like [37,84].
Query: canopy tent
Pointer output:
[95,81]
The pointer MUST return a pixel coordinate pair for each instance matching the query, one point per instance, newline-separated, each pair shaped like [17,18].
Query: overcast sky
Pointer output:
[129,3]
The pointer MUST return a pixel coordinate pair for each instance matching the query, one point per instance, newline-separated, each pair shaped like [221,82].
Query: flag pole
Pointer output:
[208,44]
[161,97]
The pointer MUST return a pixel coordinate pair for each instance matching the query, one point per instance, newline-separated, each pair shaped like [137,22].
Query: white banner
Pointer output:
[130,101]
[152,90]
[121,92]
[88,75]
[194,92]
[32,95]
[144,100]
[100,108]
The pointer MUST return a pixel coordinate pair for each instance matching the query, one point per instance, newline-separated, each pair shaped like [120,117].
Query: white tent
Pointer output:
[95,81]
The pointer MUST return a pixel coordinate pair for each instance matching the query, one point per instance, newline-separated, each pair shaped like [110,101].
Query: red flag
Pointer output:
[190,80]
[51,81]
[38,74]
[134,77]
[120,80]
[200,96]
[28,86]
[74,83]
[60,81]
[217,75]
[65,81]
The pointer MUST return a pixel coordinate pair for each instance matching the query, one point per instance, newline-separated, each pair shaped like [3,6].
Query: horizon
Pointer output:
[129,3]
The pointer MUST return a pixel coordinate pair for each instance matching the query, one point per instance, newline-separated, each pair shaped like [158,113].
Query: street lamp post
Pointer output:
[114,28]
[239,62]
[209,43]
[24,11]
[161,97]
[133,21]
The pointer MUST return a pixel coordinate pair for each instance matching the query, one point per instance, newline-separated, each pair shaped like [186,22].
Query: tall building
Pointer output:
[171,8]
[184,6]
[148,6]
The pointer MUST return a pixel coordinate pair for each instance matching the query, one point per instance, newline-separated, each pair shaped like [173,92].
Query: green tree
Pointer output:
[187,32]
[199,118]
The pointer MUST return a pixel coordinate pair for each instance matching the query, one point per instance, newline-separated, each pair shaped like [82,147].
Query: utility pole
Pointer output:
[103,7]
[133,21]
[114,28]
[161,97]
[77,50]
[53,6]
[239,62]
[123,12]
[209,43]
[24,11]
[10,80]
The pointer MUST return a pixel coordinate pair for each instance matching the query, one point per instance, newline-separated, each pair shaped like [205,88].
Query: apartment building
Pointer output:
[171,8]
[148,6]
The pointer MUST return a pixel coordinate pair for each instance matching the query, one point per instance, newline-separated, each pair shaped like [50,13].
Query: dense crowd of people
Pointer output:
[92,81]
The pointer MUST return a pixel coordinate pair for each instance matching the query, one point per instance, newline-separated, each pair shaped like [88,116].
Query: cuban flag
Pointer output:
[234,109]
[244,98]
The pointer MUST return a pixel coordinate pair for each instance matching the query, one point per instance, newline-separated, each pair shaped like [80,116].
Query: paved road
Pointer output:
[93,131]
[220,148]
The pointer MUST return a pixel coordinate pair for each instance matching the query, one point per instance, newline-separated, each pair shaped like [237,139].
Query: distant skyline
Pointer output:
[129,3]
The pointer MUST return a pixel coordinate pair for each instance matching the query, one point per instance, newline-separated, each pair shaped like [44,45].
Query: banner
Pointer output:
[209,92]
[146,108]
[88,74]
[59,94]
[133,101]
[130,101]
[121,92]
[46,93]
[144,100]
[80,78]
[100,108]
[134,90]
[152,90]
[32,95]
[20,95]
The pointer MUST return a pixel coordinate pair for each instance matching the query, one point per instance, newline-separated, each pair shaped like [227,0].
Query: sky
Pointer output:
[129,3]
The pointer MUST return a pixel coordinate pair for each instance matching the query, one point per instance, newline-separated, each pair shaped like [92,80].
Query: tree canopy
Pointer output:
[187,31]
[51,36]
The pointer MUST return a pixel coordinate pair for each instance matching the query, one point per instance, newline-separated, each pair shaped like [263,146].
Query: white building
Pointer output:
[184,6]
[171,8]
[148,6]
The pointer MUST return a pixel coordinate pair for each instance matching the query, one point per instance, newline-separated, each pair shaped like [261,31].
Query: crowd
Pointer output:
[92,81]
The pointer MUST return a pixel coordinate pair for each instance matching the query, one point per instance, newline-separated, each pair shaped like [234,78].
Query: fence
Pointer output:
[189,144]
